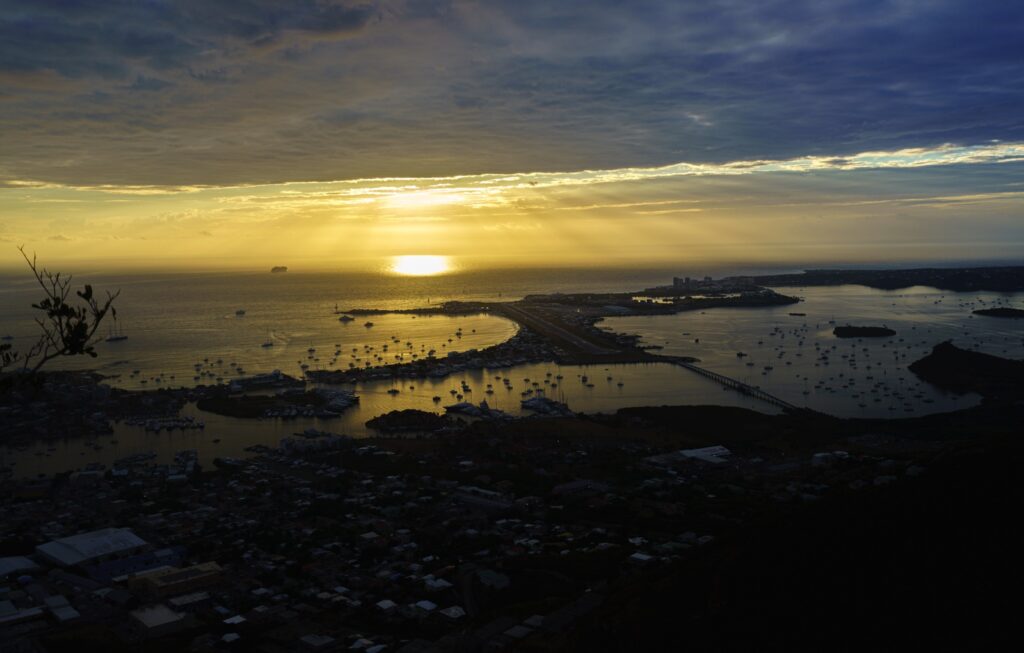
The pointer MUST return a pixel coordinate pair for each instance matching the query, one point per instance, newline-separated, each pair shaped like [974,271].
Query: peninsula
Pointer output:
[563,326]
[1000,312]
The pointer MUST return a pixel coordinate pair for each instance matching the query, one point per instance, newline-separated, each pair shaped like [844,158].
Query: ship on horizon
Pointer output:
[116,333]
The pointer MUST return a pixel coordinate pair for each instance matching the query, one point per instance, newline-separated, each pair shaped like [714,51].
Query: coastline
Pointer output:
[995,278]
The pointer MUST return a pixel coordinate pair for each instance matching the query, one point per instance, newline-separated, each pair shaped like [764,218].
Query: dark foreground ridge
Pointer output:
[906,566]
[1000,279]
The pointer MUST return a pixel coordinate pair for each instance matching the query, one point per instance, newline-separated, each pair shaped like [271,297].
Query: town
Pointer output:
[481,536]
[474,530]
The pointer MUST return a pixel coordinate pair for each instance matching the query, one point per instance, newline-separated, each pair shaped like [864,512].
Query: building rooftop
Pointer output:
[317,641]
[16,564]
[85,547]
[156,616]
[716,454]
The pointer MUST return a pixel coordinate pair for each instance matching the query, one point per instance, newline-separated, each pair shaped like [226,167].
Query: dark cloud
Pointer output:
[142,83]
[111,38]
[242,91]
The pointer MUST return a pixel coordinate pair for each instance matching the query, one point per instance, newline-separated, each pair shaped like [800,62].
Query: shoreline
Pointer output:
[566,322]
[970,279]
[557,327]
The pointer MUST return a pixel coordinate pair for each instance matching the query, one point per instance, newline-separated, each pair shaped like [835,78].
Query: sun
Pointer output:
[420,265]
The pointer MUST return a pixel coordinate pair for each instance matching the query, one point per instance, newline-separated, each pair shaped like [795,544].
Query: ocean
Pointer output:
[183,325]
[176,320]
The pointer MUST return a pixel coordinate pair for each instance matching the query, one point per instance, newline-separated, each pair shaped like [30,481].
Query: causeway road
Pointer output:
[555,333]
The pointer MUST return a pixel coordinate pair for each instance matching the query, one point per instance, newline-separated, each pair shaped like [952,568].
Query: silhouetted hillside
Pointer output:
[924,562]
[961,370]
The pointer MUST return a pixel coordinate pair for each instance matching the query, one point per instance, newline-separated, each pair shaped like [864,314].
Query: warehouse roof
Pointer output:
[85,547]
[155,616]
[16,564]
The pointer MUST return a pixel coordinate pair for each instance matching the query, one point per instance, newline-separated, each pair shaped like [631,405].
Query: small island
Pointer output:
[862,332]
[277,269]
[409,420]
[288,404]
[1000,312]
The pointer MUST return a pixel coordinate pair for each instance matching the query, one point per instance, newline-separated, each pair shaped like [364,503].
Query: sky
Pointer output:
[336,133]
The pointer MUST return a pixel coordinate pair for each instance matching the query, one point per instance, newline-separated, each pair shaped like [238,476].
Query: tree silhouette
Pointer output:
[68,328]
[7,356]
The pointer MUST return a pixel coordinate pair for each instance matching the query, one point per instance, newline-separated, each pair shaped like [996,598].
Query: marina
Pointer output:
[765,358]
[641,384]
[799,360]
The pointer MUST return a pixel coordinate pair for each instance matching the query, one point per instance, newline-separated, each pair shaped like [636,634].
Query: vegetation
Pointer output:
[68,326]
[7,355]
[962,370]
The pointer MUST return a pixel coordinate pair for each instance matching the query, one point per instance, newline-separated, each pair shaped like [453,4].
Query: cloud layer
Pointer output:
[945,203]
[225,92]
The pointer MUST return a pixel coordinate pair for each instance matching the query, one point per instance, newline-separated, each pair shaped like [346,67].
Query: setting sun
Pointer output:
[419,265]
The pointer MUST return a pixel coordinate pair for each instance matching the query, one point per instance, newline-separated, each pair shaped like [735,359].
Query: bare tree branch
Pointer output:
[66,329]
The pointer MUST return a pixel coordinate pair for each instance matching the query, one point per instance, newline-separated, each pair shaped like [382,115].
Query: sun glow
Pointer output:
[419,265]
[420,199]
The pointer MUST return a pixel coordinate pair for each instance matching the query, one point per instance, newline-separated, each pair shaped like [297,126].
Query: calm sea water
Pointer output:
[177,321]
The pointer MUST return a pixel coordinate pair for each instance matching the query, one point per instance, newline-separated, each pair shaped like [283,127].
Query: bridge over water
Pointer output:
[733,384]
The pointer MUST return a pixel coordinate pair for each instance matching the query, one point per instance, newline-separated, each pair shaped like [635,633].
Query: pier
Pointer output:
[733,384]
